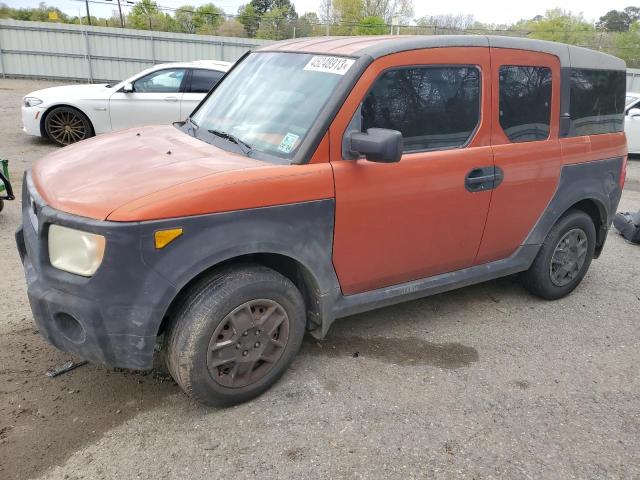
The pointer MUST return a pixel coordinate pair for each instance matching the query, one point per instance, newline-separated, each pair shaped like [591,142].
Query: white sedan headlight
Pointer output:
[31,101]
[75,251]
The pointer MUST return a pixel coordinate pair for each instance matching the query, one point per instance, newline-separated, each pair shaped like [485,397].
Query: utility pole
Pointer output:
[120,10]
[86,2]
[121,17]
[326,32]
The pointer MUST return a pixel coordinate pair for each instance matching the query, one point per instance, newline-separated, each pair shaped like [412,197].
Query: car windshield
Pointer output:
[629,99]
[269,102]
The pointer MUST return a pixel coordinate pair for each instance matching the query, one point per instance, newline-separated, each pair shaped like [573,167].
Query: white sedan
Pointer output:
[632,121]
[163,94]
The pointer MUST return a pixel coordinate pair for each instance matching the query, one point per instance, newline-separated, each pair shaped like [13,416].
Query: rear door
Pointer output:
[155,99]
[525,125]
[200,82]
[419,217]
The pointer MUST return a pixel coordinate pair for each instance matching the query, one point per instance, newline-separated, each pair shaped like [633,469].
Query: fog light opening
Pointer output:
[70,328]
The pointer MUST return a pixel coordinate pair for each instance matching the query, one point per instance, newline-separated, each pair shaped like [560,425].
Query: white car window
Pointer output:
[162,81]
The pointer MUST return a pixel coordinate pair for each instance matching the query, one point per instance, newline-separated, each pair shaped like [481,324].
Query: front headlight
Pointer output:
[75,251]
[31,101]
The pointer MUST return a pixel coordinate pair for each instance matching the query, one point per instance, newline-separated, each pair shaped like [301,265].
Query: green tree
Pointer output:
[144,15]
[627,45]
[372,26]
[232,28]
[249,18]
[274,25]
[560,26]
[308,25]
[618,21]
[208,18]
[185,19]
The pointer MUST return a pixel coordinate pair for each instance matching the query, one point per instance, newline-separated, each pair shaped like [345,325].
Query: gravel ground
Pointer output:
[483,382]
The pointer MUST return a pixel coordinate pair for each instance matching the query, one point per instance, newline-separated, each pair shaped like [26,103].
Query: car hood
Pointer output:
[72,92]
[95,177]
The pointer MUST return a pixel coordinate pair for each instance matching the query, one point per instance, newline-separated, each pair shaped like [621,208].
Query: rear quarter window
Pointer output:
[597,101]
[204,80]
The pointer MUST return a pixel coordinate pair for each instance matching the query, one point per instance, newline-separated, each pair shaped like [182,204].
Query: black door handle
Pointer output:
[483,178]
[480,179]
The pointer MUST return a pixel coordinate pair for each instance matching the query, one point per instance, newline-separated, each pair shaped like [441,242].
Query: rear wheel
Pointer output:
[564,258]
[235,335]
[66,125]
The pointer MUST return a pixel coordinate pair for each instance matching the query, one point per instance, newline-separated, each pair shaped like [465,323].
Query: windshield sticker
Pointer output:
[337,65]
[288,142]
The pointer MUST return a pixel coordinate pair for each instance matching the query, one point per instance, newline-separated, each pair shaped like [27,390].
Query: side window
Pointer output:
[597,101]
[162,81]
[525,102]
[204,80]
[433,107]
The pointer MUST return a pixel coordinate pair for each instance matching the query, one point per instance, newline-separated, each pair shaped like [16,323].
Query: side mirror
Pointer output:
[378,145]
[127,88]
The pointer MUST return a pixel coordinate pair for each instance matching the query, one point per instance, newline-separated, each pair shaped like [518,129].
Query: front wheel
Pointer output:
[564,258]
[66,125]
[235,334]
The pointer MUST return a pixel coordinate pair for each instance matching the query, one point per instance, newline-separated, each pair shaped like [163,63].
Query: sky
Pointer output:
[487,11]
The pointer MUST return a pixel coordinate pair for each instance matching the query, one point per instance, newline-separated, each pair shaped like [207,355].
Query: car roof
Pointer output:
[381,45]
[205,64]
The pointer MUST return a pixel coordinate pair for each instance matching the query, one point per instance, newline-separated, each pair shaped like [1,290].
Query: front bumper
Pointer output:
[31,118]
[111,318]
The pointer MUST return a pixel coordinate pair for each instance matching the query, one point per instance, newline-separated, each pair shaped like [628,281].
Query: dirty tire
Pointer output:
[208,308]
[540,279]
[67,125]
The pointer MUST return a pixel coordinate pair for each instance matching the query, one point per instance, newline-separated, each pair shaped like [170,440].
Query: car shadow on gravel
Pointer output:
[44,420]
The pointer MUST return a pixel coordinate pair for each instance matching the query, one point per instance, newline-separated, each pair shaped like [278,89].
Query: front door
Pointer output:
[155,100]
[424,215]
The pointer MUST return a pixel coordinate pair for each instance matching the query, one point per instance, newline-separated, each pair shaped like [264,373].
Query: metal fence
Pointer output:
[633,79]
[64,51]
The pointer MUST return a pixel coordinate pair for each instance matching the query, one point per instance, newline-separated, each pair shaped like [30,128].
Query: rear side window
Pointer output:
[597,101]
[433,107]
[204,80]
[525,102]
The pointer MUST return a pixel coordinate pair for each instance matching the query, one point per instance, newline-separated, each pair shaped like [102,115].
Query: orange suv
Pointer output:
[320,178]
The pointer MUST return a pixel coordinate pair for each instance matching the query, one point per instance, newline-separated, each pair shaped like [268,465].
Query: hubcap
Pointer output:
[568,257]
[66,127]
[248,343]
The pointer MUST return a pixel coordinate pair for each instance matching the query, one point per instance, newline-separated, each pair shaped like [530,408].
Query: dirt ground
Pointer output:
[483,382]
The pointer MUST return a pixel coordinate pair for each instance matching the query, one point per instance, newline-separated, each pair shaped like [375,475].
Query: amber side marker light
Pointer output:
[165,237]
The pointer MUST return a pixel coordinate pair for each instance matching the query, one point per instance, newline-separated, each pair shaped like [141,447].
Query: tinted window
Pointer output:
[162,81]
[204,80]
[433,107]
[525,102]
[597,101]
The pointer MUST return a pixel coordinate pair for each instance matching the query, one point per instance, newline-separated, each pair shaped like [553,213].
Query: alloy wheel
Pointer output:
[66,127]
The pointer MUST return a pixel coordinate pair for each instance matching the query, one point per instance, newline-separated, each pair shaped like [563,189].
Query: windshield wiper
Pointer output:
[244,146]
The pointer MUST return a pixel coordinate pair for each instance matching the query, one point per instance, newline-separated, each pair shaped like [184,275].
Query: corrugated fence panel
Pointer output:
[633,80]
[55,50]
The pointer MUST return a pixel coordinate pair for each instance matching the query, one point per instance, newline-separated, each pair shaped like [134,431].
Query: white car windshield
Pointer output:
[629,99]
[270,100]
